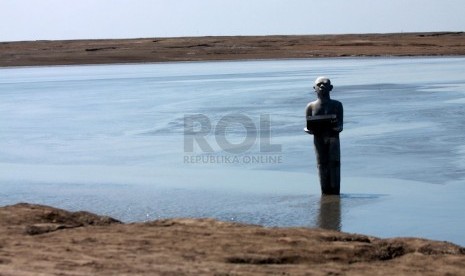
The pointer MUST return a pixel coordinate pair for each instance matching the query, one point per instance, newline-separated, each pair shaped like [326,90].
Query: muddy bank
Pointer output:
[228,48]
[39,239]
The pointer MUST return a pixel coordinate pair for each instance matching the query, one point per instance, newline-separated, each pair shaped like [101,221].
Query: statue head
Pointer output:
[322,86]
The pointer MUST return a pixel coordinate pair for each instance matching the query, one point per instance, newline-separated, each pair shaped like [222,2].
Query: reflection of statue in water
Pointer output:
[324,122]
[329,216]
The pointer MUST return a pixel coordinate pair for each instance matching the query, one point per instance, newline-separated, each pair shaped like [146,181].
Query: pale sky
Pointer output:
[91,19]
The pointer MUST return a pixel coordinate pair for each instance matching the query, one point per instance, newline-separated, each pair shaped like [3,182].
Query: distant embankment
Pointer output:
[30,53]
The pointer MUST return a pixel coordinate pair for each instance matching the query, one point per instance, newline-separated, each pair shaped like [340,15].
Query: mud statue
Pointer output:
[324,122]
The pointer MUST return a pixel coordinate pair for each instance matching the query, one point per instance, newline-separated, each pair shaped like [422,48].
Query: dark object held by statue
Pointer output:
[319,123]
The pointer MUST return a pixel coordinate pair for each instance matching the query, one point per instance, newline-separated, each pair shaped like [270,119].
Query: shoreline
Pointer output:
[221,48]
[232,60]
[82,243]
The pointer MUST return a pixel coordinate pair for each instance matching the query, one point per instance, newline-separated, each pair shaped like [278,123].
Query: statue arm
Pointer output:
[340,119]
[308,112]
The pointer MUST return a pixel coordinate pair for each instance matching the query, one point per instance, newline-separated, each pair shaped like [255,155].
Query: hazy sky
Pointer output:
[78,19]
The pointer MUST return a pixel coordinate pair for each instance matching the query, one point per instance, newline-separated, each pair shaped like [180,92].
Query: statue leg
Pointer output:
[335,178]
[323,163]
[324,173]
[335,165]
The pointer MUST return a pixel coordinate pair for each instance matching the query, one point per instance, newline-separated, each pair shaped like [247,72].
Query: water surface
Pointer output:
[110,139]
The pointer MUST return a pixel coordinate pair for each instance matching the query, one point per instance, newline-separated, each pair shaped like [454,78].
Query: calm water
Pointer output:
[110,139]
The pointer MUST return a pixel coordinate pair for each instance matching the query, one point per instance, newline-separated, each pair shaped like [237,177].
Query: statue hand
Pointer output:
[308,131]
[337,128]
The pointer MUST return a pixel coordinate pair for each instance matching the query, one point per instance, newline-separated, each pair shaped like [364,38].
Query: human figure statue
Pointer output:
[324,122]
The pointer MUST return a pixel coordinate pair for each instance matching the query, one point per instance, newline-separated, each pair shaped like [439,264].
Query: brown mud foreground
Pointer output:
[30,53]
[43,240]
